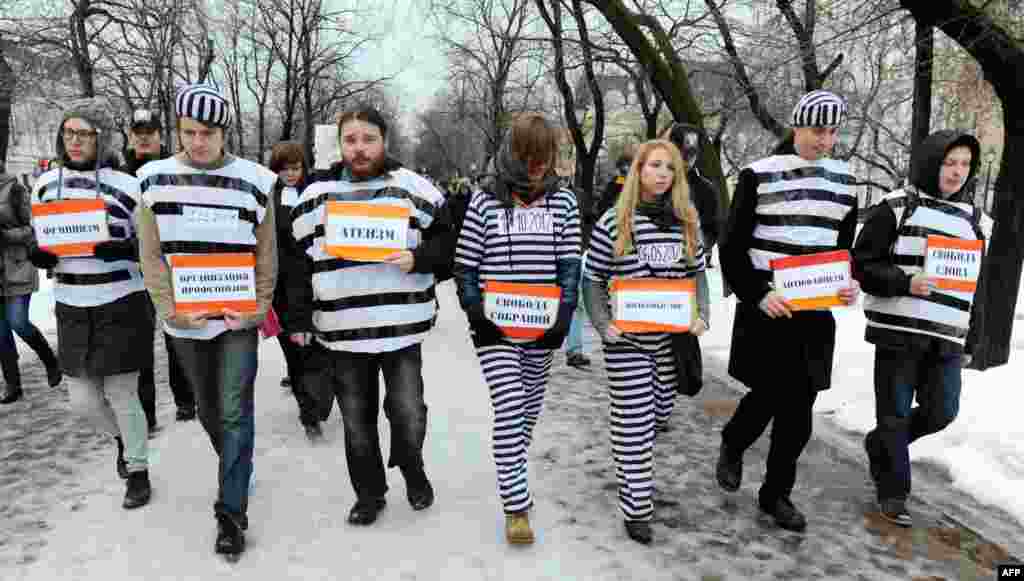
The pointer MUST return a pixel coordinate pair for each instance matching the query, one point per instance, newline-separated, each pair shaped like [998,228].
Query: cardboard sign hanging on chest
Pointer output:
[812,281]
[207,283]
[653,305]
[70,228]
[365,232]
[954,263]
[522,311]
[526,221]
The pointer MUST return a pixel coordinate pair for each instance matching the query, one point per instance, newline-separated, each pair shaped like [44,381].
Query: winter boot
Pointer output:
[121,464]
[639,531]
[12,377]
[230,538]
[138,490]
[314,433]
[517,528]
[729,471]
[784,512]
[41,346]
[418,489]
[11,394]
[895,511]
[366,510]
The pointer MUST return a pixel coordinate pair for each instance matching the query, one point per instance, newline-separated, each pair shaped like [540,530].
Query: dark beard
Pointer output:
[376,168]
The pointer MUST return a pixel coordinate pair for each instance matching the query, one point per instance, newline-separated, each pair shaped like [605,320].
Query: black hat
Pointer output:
[146,119]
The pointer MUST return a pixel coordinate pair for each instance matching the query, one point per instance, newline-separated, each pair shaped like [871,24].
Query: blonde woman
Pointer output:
[653,233]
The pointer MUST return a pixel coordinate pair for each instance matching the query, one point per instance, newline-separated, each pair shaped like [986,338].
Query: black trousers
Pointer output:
[791,411]
[296,357]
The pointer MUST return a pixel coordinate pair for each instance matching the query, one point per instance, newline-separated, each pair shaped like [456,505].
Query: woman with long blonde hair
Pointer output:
[652,233]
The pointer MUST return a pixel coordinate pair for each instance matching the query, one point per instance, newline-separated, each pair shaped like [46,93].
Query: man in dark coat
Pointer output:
[796,202]
[145,144]
[703,193]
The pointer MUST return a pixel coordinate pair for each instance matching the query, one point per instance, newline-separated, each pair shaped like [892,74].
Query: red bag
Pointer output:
[271,326]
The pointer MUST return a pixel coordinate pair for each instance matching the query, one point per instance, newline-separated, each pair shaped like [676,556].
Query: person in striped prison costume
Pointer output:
[521,228]
[105,335]
[920,331]
[204,201]
[796,202]
[653,231]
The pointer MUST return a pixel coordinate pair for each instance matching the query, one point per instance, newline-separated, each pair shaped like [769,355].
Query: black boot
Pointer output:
[785,514]
[871,447]
[314,433]
[366,510]
[185,414]
[138,491]
[729,471]
[121,464]
[230,538]
[895,511]
[12,377]
[41,346]
[639,531]
[418,489]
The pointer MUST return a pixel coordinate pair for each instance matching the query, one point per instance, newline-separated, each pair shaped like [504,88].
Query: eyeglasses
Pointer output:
[82,135]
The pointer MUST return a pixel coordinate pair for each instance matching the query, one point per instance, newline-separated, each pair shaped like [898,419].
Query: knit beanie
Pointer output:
[204,103]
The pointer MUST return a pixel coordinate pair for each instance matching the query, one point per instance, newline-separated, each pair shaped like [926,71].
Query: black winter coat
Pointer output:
[289,262]
[765,352]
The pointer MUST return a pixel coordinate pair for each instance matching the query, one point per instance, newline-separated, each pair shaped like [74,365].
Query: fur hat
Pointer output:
[98,112]
[204,103]
[819,109]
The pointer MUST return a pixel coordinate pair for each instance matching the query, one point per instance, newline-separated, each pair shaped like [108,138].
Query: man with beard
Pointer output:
[145,144]
[368,313]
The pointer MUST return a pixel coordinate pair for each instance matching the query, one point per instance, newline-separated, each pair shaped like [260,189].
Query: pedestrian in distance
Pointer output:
[795,202]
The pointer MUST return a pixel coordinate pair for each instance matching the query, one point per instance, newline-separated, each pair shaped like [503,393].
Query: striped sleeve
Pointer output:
[469,251]
[601,253]
[570,241]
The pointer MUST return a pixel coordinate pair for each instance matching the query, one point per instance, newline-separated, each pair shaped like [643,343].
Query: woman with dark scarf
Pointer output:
[288,161]
[653,232]
[521,229]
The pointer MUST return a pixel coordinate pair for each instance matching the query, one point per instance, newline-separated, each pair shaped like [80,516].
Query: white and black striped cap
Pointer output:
[819,109]
[203,102]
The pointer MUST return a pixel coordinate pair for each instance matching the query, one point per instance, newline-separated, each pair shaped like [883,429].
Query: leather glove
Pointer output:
[555,336]
[485,332]
[43,259]
[112,250]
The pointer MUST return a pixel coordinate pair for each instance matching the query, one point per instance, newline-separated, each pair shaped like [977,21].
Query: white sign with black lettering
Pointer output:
[526,221]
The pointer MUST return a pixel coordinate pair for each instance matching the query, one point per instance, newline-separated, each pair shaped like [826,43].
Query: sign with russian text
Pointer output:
[812,281]
[208,283]
[653,305]
[70,227]
[954,263]
[522,311]
[365,232]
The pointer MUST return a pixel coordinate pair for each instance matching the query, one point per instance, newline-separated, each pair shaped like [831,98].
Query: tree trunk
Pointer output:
[6,102]
[923,40]
[1001,57]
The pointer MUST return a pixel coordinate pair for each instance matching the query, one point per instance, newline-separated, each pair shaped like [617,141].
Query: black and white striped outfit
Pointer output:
[205,212]
[944,313]
[800,205]
[641,366]
[368,307]
[516,375]
[90,282]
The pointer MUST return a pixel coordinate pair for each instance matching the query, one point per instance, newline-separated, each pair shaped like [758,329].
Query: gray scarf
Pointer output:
[513,176]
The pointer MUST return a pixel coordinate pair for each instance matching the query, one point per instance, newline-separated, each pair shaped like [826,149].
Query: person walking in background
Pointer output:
[703,193]
[652,233]
[519,229]
[793,203]
[611,192]
[366,311]
[919,329]
[288,161]
[19,280]
[103,334]
[145,144]
[206,202]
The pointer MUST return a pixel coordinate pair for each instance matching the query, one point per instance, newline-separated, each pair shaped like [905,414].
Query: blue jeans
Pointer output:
[14,319]
[900,375]
[222,371]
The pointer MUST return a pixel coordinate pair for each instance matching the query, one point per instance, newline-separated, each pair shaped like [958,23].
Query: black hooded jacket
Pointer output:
[872,252]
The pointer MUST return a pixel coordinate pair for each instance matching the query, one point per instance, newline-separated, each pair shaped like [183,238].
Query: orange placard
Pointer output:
[70,228]
[365,232]
[812,281]
[522,311]
[208,283]
[653,305]
[953,263]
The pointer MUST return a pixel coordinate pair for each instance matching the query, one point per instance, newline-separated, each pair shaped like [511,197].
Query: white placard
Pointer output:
[524,312]
[325,146]
[659,307]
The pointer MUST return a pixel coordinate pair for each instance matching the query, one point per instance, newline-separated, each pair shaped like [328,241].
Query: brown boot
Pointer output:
[517,528]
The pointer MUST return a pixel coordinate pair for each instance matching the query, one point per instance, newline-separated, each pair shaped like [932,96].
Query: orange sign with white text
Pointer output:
[653,305]
[208,283]
[954,263]
[812,281]
[70,228]
[365,232]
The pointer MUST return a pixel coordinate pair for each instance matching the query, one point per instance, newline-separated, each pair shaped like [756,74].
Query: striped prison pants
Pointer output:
[517,378]
[641,388]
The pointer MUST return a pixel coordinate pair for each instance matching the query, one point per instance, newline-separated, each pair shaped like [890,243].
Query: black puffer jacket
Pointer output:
[289,260]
